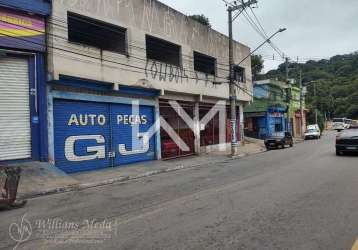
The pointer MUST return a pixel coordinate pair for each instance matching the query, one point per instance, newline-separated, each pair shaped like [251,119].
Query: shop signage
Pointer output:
[276,114]
[255,114]
[21,31]
[100,120]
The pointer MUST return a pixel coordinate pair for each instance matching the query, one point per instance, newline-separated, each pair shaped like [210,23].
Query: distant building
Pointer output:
[273,103]
[266,114]
[295,113]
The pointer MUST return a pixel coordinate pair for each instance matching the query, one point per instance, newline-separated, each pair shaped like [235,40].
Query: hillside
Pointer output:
[337,86]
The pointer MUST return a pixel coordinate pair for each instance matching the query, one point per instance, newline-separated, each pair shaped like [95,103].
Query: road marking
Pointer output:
[355,246]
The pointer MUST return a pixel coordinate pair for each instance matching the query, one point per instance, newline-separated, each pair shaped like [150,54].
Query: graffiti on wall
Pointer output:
[170,73]
[165,72]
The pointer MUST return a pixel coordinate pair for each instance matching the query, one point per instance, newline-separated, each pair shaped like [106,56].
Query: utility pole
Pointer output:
[288,98]
[232,8]
[315,100]
[301,103]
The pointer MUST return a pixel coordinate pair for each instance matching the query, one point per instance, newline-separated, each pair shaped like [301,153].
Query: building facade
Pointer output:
[23,126]
[115,67]
[266,115]
[295,113]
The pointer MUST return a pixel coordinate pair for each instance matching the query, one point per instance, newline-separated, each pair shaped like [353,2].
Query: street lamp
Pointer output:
[268,40]
[232,86]
[235,6]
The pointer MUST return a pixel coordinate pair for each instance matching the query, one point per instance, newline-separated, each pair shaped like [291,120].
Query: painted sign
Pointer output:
[276,114]
[21,31]
[90,135]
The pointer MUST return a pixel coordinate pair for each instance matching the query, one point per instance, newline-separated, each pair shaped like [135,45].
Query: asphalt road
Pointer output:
[298,198]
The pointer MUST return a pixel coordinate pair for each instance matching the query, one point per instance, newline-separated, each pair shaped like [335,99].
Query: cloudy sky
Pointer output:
[315,28]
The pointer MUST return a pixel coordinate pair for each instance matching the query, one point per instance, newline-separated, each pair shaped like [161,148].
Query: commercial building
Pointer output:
[118,66]
[295,113]
[266,115]
[23,126]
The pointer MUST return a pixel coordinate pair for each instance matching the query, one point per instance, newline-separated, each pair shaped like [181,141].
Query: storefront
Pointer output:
[202,126]
[173,115]
[297,129]
[255,125]
[264,124]
[211,135]
[92,129]
[23,131]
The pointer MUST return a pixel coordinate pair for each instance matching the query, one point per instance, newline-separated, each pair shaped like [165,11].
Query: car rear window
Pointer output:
[337,120]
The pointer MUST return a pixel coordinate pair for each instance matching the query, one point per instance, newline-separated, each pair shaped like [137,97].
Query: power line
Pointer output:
[260,30]
[132,45]
[132,55]
[144,70]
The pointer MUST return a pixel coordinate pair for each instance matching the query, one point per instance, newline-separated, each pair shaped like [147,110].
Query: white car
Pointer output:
[339,124]
[313,132]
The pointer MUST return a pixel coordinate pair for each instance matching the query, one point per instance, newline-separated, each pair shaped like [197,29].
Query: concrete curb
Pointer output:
[121,179]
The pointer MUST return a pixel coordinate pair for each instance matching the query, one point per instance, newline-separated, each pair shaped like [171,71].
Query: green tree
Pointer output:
[336,87]
[201,19]
[257,65]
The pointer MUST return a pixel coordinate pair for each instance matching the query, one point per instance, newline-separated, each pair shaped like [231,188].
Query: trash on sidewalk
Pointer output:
[9,183]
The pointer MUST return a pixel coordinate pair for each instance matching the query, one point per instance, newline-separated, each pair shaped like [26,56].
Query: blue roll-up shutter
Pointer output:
[92,135]
[128,145]
[82,135]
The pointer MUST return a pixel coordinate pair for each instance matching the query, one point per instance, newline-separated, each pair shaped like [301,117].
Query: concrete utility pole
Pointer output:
[315,100]
[232,8]
[289,99]
[301,104]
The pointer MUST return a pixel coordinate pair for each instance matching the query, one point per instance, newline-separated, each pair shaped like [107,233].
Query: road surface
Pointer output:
[297,198]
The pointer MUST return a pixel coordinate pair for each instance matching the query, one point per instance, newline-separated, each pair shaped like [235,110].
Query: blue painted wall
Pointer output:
[38,107]
[266,124]
[261,91]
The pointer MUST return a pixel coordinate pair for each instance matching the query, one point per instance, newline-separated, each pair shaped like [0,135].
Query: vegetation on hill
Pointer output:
[336,85]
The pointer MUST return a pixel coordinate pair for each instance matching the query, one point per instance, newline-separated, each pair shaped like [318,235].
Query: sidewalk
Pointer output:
[39,179]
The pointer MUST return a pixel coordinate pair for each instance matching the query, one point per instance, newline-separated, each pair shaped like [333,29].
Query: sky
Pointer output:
[315,28]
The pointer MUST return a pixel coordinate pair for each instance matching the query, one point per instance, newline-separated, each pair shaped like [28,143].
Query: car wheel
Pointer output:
[268,148]
[291,145]
[339,153]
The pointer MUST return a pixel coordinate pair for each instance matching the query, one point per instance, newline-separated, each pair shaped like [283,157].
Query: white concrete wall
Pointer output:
[142,17]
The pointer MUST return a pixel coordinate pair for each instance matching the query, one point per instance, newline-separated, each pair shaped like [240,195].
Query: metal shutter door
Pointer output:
[15,130]
[82,143]
[122,121]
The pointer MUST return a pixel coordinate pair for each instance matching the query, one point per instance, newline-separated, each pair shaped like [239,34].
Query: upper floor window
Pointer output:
[92,32]
[205,64]
[163,51]
[239,74]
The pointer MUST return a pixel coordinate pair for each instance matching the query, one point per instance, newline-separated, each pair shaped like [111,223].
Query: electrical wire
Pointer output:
[144,70]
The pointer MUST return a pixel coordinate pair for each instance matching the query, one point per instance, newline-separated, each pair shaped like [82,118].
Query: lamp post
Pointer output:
[232,8]
[232,84]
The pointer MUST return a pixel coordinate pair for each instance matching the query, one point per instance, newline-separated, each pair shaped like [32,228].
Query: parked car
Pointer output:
[339,124]
[354,125]
[313,126]
[279,140]
[313,132]
[347,141]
